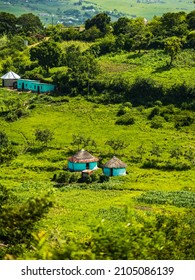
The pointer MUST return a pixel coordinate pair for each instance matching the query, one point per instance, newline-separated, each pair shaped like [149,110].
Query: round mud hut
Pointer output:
[82,160]
[9,79]
[114,167]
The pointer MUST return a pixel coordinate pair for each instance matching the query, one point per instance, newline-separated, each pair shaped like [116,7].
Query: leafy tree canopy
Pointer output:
[101,21]
[47,53]
[30,23]
[7,23]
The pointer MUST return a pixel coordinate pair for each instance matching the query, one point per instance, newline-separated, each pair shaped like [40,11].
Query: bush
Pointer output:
[104,178]
[11,117]
[150,164]
[185,119]
[126,119]
[155,112]
[122,111]
[157,122]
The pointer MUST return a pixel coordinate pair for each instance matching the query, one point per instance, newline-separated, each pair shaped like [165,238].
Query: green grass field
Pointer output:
[151,64]
[77,206]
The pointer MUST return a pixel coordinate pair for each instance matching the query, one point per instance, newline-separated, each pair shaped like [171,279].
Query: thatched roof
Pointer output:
[115,163]
[10,76]
[83,156]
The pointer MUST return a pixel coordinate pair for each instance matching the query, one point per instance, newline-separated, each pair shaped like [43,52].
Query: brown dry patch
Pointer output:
[113,67]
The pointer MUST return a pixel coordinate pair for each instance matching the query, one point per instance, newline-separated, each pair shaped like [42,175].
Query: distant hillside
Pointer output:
[75,12]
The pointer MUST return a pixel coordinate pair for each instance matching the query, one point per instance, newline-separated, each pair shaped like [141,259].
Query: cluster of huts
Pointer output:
[82,161]
[13,80]
[86,163]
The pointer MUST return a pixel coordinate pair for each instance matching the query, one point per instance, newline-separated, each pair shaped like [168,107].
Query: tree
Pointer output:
[121,25]
[172,47]
[7,153]
[174,24]
[43,136]
[7,23]
[117,144]
[18,221]
[47,53]
[83,68]
[101,21]
[191,20]
[29,23]
[82,141]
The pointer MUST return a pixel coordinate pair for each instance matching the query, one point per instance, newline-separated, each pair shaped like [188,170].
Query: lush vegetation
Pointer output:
[124,89]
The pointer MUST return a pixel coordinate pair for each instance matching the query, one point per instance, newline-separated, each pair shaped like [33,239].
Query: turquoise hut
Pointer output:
[34,86]
[82,160]
[114,167]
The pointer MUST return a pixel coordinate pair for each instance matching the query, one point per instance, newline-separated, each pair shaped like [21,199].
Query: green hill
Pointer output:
[77,12]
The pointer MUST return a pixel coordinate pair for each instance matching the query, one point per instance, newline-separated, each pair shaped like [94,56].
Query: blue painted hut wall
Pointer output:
[114,171]
[107,171]
[34,86]
[80,166]
[92,165]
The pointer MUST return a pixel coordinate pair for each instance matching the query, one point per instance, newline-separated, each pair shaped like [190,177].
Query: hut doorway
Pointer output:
[87,165]
[111,171]
[22,86]
[38,89]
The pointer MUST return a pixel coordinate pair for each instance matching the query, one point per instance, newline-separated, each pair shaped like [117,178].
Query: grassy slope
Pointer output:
[75,208]
[151,64]
[143,9]
[125,6]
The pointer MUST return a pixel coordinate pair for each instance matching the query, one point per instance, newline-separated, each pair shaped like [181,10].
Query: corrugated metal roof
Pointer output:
[10,76]
[115,163]
[83,156]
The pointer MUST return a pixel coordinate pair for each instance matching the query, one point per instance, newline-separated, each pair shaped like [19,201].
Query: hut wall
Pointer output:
[92,165]
[114,171]
[46,87]
[119,171]
[8,82]
[107,171]
[80,166]
[34,86]
[76,166]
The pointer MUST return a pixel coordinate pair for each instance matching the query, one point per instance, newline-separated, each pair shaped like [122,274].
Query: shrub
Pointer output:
[11,117]
[151,163]
[155,112]
[185,119]
[157,122]
[104,178]
[126,119]
[3,140]
[62,177]
[122,111]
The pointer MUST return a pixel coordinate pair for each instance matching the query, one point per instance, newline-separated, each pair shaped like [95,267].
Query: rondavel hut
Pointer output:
[114,167]
[82,160]
[9,79]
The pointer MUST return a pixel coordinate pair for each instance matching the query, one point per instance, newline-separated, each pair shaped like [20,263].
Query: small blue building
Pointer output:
[114,167]
[34,86]
[82,160]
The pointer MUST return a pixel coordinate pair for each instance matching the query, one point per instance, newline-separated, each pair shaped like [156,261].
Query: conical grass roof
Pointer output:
[115,163]
[83,156]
